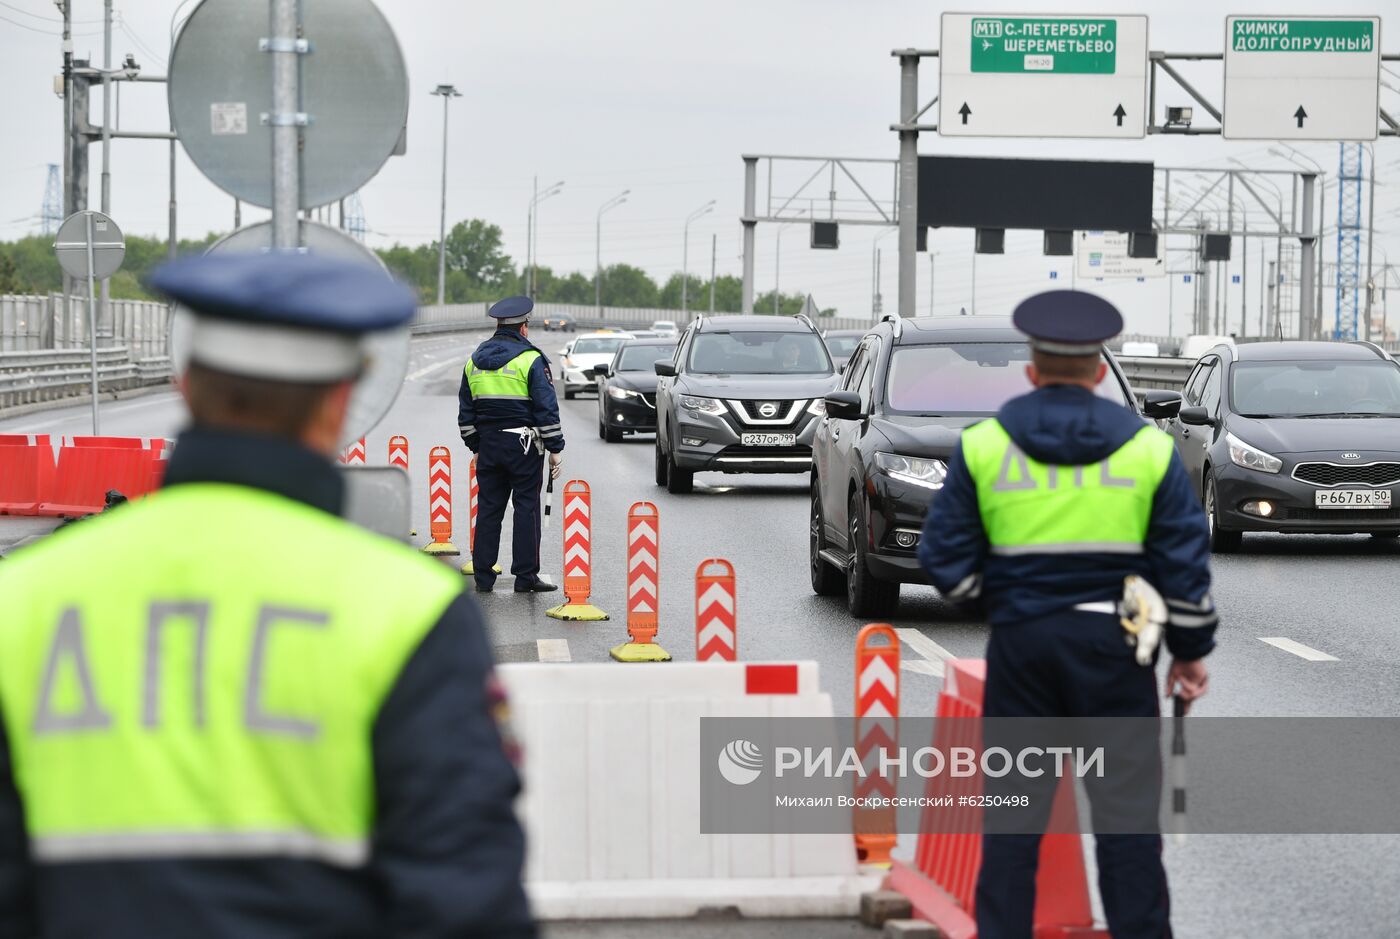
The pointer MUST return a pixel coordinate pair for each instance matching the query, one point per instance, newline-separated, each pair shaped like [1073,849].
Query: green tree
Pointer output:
[628,286]
[474,247]
[9,277]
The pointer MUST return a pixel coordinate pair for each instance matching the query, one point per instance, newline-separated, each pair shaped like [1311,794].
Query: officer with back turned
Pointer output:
[253,718]
[1046,510]
[508,416]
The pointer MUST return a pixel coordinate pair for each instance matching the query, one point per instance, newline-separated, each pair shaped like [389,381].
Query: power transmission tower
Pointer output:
[355,216]
[1350,156]
[52,215]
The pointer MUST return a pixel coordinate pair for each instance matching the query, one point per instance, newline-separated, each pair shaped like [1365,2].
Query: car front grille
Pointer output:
[786,414]
[649,399]
[1333,474]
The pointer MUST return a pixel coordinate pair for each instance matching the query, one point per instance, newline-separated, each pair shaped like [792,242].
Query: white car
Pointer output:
[581,355]
[665,328]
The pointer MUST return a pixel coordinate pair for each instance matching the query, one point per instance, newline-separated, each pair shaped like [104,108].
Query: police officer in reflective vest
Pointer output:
[1046,509]
[226,710]
[509,417]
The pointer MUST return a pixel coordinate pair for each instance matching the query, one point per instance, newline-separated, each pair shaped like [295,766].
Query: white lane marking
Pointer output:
[931,654]
[84,416]
[429,369]
[553,650]
[1298,649]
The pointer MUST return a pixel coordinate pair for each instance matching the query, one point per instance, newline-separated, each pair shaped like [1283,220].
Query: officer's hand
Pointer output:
[1190,677]
[556,462]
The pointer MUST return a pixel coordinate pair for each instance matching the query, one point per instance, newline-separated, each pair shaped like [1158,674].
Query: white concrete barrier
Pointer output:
[612,795]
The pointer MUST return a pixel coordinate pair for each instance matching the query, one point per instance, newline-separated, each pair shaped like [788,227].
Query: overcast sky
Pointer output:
[660,98]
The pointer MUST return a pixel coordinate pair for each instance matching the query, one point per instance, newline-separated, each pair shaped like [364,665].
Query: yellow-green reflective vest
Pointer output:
[1029,507]
[199,675]
[511,380]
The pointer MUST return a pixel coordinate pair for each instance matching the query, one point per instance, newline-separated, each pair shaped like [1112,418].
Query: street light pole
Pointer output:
[612,203]
[447,93]
[685,253]
[1370,242]
[532,231]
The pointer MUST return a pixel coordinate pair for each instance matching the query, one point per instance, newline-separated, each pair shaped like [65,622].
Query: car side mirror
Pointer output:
[1196,417]
[843,405]
[665,369]
[1161,405]
[600,371]
[564,351]
[841,369]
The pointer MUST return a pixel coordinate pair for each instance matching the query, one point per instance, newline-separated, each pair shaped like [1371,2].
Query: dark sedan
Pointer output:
[1293,437]
[627,387]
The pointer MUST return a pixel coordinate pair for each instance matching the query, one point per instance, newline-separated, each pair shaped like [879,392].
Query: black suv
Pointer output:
[1293,437]
[880,454]
[742,395]
[627,387]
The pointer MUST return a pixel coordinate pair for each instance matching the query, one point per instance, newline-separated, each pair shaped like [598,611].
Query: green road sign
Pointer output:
[1302,36]
[1055,45]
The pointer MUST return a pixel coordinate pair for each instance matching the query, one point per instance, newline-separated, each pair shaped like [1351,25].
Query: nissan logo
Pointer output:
[1351,456]
[767,409]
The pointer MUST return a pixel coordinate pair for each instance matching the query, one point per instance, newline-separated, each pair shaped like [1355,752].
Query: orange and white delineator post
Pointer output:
[398,452]
[578,556]
[473,494]
[440,503]
[354,455]
[877,730]
[643,580]
[716,622]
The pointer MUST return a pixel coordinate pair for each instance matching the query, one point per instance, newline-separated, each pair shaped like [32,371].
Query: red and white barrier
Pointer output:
[877,730]
[440,503]
[33,482]
[613,773]
[643,578]
[716,617]
[354,455]
[398,452]
[578,555]
[473,494]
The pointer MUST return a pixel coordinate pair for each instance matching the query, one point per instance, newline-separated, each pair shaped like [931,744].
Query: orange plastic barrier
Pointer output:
[877,729]
[942,881]
[85,475]
[716,614]
[398,452]
[354,455]
[643,571]
[26,473]
[120,443]
[440,503]
[578,556]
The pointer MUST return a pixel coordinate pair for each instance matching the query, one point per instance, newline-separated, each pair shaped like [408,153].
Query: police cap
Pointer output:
[1067,322]
[283,316]
[511,310]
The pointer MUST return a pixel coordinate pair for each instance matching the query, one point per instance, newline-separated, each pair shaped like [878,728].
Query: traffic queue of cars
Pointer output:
[1284,437]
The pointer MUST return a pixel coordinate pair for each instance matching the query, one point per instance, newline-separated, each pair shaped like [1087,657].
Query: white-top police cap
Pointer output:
[511,310]
[283,316]
[1067,322]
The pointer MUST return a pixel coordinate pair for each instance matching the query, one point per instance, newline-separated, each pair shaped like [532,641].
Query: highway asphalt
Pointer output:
[1327,605]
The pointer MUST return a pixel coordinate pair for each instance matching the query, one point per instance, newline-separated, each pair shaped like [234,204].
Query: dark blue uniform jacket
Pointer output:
[1068,426]
[542,410]
[447,854]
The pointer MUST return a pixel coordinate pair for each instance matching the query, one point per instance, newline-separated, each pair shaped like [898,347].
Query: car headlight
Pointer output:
[817,407]
[911,469]
[1242,454]
[703,405]
[621,393]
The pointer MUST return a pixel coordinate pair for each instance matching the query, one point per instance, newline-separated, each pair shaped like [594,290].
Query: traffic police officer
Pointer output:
[509,417]
[229,712]
[1045,510]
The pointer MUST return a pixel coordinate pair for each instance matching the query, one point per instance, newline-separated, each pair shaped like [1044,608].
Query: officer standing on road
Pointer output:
[229,712]
[508,416]
[1045,511]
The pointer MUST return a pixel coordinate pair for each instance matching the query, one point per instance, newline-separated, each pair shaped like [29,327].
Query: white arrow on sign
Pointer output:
[716,594]
[877,670]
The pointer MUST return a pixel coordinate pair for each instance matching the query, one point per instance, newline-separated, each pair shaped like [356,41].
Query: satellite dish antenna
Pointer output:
[354,91]
[387,351]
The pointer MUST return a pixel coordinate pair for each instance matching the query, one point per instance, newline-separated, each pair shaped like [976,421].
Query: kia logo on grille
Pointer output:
[767,409]
[1351,456]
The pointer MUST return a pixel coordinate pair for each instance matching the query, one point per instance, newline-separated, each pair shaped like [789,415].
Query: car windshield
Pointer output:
[842,346]
[972,378]
[759,353]
[642,358]
[597,346]
[1316,389]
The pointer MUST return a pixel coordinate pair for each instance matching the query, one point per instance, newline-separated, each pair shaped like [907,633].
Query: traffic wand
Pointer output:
[1178,770]
[548,498]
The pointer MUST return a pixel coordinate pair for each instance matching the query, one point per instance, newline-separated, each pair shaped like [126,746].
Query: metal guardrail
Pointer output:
[1146,373]
[28,378]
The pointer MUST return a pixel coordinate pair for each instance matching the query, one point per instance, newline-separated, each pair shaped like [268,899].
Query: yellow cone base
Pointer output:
[640,652]
[470,568]
[577,612]
[441,549]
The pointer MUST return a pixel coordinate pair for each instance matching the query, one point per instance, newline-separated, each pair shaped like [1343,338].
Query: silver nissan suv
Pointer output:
[742,395]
